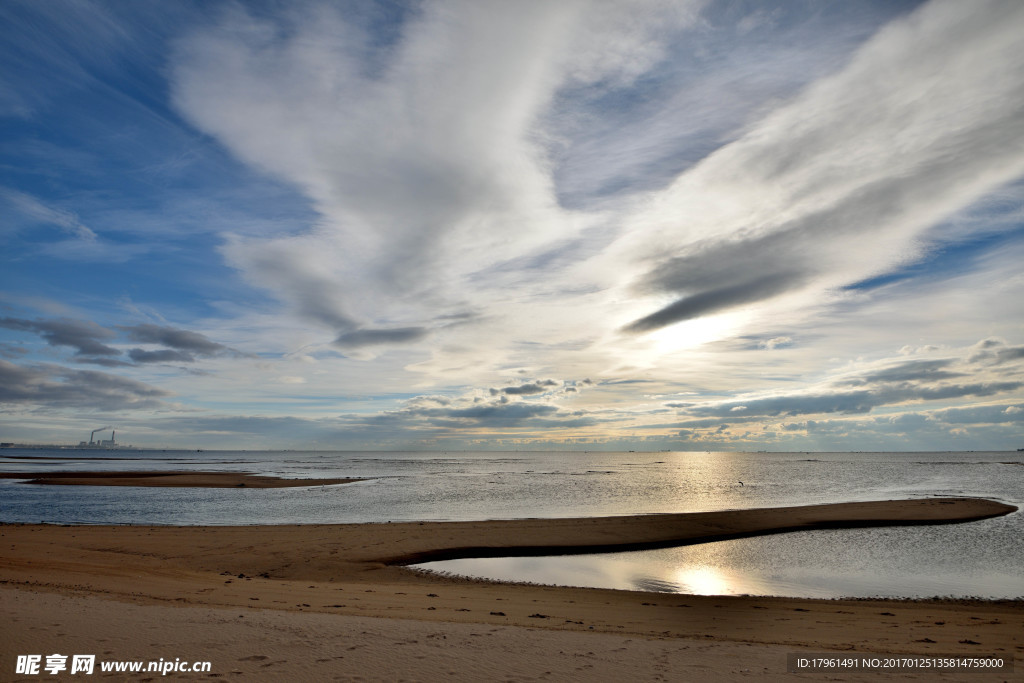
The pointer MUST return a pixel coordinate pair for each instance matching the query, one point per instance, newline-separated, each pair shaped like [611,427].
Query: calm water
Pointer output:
[978,559]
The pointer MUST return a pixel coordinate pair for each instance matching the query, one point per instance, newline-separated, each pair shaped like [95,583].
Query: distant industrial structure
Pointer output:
[105,443]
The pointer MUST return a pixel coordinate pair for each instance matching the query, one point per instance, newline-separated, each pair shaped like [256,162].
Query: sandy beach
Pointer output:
[335,602]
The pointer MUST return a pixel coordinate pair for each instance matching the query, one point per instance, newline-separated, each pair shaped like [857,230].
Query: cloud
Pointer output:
[775,343]
[883,383]
[424,154]
[429,144]
[234,425]
[104,362]
[182,340]
[57,387]
[466,196]
[161,356]
[432,167]
[36,211]
[497,413]
[714,299]
[372,337]
[996,352]
[845,180]
[990,414]
[851,402]
[528,388]
[85,336]
[82,335]
[917,370]
[508,408]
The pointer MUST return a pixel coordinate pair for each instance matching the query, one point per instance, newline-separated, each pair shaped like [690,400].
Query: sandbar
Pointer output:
[337,601]
[181,479]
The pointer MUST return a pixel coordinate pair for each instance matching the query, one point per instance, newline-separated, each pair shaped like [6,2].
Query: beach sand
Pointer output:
[333,602]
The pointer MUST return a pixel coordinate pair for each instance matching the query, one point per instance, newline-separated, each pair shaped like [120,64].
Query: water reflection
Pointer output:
[879,562]
[703,581]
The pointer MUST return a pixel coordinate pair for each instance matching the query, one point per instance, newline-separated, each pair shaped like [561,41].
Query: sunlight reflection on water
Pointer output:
[804,564]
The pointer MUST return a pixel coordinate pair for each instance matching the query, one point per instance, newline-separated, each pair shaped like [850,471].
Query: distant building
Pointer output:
[105,443]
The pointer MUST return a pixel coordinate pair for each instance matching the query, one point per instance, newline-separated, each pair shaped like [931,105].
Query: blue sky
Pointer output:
[691,225]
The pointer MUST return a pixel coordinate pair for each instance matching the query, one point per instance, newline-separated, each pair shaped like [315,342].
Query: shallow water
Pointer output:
[982,558]
[913,562]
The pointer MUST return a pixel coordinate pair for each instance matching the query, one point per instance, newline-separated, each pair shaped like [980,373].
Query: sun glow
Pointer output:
[693,333]
[703,580]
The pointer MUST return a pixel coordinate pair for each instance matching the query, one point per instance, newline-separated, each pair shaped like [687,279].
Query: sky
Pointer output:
[619,225]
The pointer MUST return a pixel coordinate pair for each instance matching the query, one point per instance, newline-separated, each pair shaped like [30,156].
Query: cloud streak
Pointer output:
[845,181]
[82,335]
[78,389]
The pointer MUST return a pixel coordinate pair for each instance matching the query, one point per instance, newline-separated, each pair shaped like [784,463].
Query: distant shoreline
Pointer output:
[183,449]
[176,479]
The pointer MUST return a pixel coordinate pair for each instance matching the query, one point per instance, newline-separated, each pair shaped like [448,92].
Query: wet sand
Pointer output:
[335,601]
[186,479]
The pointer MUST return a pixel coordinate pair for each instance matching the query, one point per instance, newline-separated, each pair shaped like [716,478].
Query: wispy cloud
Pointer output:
[59,387]
[845,181]
[34,209]
[85,337]
[184,341]
[82,335]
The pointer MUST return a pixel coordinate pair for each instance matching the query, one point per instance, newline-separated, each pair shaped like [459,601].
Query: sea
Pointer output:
[983,559]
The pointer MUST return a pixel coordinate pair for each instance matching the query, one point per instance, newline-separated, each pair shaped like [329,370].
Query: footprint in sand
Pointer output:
[253,658]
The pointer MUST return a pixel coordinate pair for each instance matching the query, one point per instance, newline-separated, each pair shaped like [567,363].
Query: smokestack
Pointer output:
[94,431]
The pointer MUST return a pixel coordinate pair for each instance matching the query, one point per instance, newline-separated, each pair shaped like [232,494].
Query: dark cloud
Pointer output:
[717,299]
[996,352]
[60,387]
[527,389]
[918,370]
[161,356]
[371,337]
[714,423]
[503,410]
[182,340]
[104,362]
[83,335]
[10,351]
[719,276]
[501,413]
[851,402]
[615,382]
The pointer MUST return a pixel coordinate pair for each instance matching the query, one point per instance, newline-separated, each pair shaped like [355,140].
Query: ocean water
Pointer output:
[978,559]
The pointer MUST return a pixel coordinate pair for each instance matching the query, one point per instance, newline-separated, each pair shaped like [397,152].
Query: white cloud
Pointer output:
[845,181]
[441,249]
[38,212]
[421,174]
[427,170]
